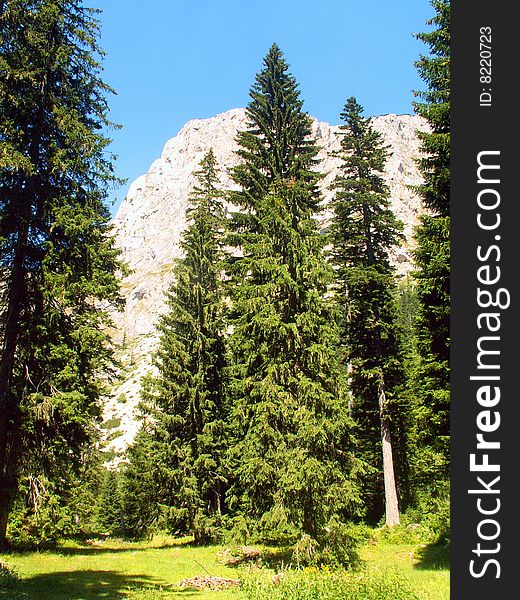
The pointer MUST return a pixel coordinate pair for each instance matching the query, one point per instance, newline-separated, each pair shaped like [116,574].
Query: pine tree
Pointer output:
[292,455]
[185,401]
[432,257]
[143,486]
[363,230]
[109,509]
[57,261]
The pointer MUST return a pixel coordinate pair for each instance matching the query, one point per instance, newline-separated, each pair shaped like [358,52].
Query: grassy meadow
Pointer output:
[112,569]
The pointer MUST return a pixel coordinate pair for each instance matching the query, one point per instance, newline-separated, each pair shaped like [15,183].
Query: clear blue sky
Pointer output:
[175,60]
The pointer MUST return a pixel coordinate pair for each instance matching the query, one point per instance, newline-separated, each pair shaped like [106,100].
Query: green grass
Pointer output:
[113,570]
[312,584]
[425,568]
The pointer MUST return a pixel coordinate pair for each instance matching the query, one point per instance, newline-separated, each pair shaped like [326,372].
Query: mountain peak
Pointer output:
[150,220]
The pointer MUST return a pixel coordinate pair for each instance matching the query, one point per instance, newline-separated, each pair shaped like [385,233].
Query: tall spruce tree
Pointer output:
[57,262]
[363,230]
[292,455]
[433,257]
[185,404]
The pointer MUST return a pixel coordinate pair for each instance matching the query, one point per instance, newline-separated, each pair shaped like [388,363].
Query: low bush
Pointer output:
[433,515]
[111,423]
[8,576]
[411,533]
[42,528]
[338,545]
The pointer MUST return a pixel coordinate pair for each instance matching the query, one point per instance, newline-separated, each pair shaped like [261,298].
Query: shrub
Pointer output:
[236,531]
[114,434]
[306,551]
[438,519]
[406,533]
[340,543]
[112,423]
[8,576]
[41,525]
[337,546]
[433,514]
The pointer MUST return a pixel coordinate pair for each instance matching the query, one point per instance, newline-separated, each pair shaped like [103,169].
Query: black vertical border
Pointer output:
[474,129]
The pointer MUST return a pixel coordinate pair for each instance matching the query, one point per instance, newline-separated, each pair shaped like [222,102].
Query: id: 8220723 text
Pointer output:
[485,66]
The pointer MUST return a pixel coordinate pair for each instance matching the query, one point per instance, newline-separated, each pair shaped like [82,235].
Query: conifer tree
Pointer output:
[184,401]
[432,256]
[57,262]
[292,454]
[363,230]
[143,486]
[109,510]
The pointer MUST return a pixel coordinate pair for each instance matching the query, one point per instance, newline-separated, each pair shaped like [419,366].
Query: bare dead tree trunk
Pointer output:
[391,504]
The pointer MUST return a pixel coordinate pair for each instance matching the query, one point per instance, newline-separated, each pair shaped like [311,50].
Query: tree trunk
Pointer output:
[391,504]
[6,497]
[4,516]
[9,402]
[9,410]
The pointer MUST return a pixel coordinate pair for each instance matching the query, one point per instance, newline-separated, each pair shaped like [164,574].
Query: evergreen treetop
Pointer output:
[365,228]
[277,143]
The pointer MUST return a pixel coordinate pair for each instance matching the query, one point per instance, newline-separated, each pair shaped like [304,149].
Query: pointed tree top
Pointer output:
[352,107]
[274,61]
[274,52]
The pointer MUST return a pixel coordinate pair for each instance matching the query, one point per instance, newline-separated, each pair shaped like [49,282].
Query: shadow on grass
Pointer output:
[93,550]
[72,551]
[110,548]
[82,585]
[433,557]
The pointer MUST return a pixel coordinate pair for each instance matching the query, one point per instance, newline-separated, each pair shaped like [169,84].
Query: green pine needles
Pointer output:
[185,434]
[278,406]
[363,231]
[292,454]
[58,264]
[432,259]
[247,424]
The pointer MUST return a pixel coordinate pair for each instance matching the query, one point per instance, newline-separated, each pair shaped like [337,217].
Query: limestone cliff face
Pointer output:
[151,218]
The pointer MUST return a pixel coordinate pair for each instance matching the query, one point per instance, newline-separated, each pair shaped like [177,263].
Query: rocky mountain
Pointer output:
[151,218]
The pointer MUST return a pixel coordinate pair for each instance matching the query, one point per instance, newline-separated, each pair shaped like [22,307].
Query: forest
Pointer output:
[298,406]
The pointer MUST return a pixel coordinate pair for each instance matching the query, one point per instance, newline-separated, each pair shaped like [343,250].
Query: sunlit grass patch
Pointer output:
[114,569]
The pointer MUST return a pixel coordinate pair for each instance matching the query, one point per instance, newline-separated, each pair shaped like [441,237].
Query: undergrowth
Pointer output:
[323,584]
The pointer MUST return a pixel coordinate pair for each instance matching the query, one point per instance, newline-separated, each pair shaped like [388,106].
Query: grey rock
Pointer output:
[151,218]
